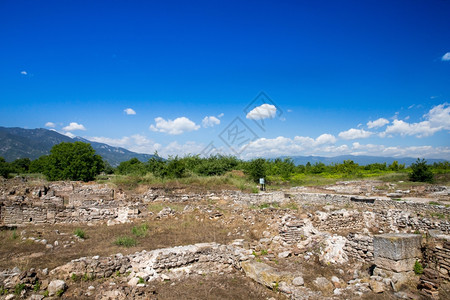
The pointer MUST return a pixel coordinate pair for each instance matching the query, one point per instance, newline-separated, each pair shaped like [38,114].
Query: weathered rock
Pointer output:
[396,251]
[264,274]
[298,281]
[334,250]
[55,286]
[397,246]
[376,286]
[323,284]
[284,254]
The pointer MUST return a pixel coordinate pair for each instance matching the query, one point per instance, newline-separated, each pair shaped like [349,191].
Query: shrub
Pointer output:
[418,269]
[19,288]
[80,233]
[421,171]
[74,161]
[140,230]
[125,241]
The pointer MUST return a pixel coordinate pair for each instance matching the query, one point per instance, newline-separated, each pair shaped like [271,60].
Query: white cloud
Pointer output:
[174,127]
[210,121]
[421,129]
[74,126]
[353,133]
[69,134]
[24,73]
[439,116]
[325,139]
[377,123]
[136,143]
[50,124]
[446,57]
[220,115]
[265,111]
[129,111]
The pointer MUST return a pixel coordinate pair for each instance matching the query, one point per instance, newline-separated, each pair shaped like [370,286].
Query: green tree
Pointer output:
[132,166]
[21,165]
[39,165]
[421,171]
[256,168]
[5,168]
[73,161]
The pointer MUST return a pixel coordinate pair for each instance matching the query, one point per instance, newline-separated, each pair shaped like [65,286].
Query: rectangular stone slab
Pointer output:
[402,265]
[397,246]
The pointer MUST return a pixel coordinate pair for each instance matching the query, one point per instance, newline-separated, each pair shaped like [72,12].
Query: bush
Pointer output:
[73,161]
[256,169]
[140,230]
[418,269]
[125,241]
[80,233]
[421,171]
[5,168]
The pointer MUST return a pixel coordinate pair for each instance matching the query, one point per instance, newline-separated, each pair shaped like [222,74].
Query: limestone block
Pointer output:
[397,246]
[402,265]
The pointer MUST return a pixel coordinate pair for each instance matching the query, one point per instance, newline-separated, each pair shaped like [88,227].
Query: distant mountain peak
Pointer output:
[16,142]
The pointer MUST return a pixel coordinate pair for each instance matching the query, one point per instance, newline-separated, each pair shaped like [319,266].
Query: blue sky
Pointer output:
[249,78]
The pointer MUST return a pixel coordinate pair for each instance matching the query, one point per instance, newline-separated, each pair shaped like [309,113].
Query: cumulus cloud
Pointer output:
[446,57]
[174,127]
[210,121]
[437,119]
[421,129]
[129,111]
[24,73]
[50,124]
[264,111]
[377,123]
[69,134]
[439,116]
[353,133]
[74,126]
[136,143]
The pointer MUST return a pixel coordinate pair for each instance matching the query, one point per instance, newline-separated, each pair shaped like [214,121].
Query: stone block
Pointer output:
[402,265]
[397,246]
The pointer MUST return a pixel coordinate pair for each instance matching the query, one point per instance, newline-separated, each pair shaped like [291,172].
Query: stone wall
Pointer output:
[359,247]
[149,264]
[437,253]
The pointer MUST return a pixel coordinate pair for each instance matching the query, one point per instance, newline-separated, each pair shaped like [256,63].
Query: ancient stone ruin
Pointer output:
[344,241]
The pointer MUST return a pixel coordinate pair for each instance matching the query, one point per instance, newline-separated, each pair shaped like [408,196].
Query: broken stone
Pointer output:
[55,286]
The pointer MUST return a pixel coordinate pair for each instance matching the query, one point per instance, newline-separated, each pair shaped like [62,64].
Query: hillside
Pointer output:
[32,143]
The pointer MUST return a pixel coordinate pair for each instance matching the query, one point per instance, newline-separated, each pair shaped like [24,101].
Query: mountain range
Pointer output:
[18,142]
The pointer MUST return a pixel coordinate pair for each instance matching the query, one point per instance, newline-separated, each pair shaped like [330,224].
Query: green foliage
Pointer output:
[39,165]
[141,280]
[14,234]
[21,165]
[37,286]
[256,169]
[395,166]
[75,277]
[5,168]
[418,268]
[125,241]
[140,231]
[3,291]
[59,293]
[132,166]
[421,171]
[73,161]
[19,288]
[80,233]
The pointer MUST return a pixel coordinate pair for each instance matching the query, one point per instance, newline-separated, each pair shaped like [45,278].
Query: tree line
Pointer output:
[78,161]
